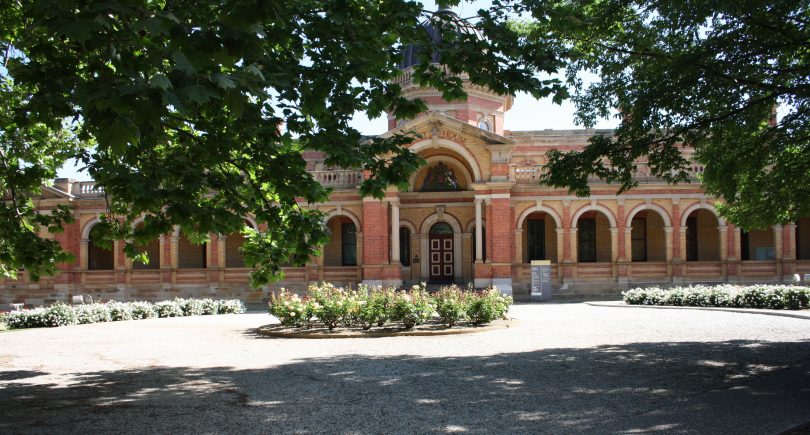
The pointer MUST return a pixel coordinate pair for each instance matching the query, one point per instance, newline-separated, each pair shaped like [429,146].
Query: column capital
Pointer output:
[722,228]
[668,230]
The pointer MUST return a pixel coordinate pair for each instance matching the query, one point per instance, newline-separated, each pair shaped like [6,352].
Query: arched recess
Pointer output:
[234,241]
[342,248]
[152,250]
[646,237]
[701,233]
[98,257]
[594,207]
[190,255]
[431,161]
[802,237]
[461,150]
[424,230]
[758,245]
[593,224]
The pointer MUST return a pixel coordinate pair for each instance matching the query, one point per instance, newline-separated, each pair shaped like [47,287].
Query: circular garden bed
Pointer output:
[327,311]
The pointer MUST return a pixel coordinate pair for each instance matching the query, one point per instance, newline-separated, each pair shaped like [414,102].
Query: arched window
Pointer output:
[405,246]
[98,257]
[483,124]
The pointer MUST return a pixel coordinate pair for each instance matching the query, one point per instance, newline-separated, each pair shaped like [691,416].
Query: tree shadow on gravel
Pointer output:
[730,387]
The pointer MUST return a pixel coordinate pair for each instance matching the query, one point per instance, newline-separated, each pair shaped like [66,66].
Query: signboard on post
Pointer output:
[541,280]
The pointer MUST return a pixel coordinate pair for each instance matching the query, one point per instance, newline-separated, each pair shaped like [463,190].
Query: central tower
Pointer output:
[482,108]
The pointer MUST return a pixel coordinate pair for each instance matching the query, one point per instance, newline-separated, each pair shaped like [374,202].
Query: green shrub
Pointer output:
[230,306]
[451,305]
[332,306]
[59,314]
[776,297]
[290,309]
[34,318]
[92,313]
[487,305]
[209,307]
[120,311]
[190,307]
[142,310]
[412,308]
[374,307]
[168,309]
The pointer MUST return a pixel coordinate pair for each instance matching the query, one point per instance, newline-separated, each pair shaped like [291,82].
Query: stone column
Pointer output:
[84,247]
[479,250]
[669,249]
[560,246]
[723,251]
[519,246]
[395,233]
[425,261]
[614,250]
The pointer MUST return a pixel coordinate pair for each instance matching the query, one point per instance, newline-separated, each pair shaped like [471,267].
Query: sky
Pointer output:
[527,113]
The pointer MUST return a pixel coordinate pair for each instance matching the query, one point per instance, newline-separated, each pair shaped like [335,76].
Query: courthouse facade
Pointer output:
[474,213]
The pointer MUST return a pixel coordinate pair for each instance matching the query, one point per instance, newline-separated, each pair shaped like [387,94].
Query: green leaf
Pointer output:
[160,81]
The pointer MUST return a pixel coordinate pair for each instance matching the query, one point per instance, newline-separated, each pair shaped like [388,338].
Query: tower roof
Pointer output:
[432,26]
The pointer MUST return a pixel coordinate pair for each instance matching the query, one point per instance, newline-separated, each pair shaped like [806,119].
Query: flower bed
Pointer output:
[333,307]
[61,314]
[775,297]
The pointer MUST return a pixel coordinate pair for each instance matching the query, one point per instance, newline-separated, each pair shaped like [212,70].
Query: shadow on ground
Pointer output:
[730,387]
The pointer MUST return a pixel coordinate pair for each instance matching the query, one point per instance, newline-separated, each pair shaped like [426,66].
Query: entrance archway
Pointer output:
[440,252]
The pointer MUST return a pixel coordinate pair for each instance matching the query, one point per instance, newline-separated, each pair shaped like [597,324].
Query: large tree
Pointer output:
[199,110]
[707,74]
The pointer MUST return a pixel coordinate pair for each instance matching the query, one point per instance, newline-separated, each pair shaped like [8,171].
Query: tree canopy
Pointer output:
[705,74]
[194,113]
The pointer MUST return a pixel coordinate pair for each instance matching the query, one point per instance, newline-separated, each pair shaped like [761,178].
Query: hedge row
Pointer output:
[367,307]
[775,297]
[61,314]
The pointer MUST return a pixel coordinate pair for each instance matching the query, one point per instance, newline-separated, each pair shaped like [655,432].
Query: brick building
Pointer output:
[474,214]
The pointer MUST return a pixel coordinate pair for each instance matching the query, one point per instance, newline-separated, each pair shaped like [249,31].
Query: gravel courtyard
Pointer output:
[563,368]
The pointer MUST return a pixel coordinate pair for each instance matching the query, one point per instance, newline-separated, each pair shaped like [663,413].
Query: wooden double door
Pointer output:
[440,251]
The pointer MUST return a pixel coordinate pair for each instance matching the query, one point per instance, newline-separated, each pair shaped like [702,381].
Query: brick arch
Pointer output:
[346,213]
[434,218]
[468,157]
[593,207]
[697,206]
[657,208]
[543,209]
[408,224]
[89,227]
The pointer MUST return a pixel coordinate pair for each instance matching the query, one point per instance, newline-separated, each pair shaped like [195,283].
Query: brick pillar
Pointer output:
[377,269]
[789,251]
[678,257]
[778,242]
[502,236]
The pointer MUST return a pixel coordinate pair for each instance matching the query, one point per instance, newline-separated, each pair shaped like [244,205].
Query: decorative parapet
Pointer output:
[86,189]
[527,174]
[339,178]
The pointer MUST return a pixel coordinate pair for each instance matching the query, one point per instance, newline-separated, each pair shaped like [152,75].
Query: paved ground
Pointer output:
[565,368]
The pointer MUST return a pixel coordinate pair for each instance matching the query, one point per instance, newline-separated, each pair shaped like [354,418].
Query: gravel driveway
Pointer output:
[564,368]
